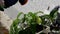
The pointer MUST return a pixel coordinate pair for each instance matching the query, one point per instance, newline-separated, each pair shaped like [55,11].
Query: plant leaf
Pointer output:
[19,14]
[54,11]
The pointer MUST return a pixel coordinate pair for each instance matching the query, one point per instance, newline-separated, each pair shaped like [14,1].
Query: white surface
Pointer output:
[32,5]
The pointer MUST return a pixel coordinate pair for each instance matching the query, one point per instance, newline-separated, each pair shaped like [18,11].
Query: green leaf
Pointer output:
[43,17]
[14,27]
[19,14]
[38,12]
[55,10]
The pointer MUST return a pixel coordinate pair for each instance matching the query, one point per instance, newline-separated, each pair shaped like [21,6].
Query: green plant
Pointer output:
[50,17]
[31,19]
[14,29]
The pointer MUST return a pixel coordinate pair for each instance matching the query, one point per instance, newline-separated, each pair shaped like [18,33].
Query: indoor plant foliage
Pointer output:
[31,23]
[52,16]
[32,19]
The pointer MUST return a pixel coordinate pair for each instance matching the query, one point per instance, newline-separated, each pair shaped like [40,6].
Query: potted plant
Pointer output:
[50,19]
[55,26]
[31,23]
